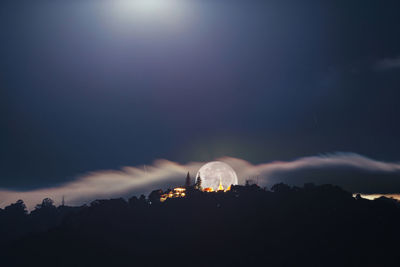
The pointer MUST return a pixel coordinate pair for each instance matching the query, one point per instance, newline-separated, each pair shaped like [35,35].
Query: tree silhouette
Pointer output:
[47,203]
[155,195]
[197,185]
[44,215]
[14,222]
[16,209]
[281,188]
[133,201]
[188,181]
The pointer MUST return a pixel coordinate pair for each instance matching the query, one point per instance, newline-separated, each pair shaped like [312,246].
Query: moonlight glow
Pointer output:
[215,172]
[147,7]
[146,11]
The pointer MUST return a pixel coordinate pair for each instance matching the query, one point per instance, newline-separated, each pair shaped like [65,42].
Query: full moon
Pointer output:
[214,172]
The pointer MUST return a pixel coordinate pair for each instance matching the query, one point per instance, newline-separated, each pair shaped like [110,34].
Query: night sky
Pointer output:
[89,85]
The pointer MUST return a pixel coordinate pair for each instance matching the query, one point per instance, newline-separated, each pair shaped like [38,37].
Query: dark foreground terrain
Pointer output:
[248,226]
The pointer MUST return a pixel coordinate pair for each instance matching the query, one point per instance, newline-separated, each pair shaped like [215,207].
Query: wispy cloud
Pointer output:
[352,171]
[387,64]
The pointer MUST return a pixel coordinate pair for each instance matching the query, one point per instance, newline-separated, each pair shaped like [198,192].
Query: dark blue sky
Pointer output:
[88,85]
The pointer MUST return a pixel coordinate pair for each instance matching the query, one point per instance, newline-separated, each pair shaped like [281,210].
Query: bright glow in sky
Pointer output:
[148,7]
[145,7]
[147,11]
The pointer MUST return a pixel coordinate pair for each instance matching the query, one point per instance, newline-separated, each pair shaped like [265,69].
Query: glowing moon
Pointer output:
[213,172]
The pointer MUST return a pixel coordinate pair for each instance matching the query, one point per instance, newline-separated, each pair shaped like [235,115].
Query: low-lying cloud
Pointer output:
[353,172]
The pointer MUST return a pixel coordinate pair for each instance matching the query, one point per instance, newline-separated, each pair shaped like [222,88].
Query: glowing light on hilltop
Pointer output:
[220,187]
[176,193]
[375,196]
[180,189]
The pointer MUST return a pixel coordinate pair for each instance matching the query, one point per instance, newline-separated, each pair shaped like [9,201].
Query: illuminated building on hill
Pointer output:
[175,193]
[180,192]
[220,188]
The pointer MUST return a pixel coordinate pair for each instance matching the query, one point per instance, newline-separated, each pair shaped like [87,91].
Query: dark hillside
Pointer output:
[248,226]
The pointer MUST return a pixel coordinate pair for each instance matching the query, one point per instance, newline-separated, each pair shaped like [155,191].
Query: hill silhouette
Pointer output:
[247,226]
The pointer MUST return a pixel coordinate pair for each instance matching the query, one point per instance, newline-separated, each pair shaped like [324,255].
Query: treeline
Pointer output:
[247,226]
